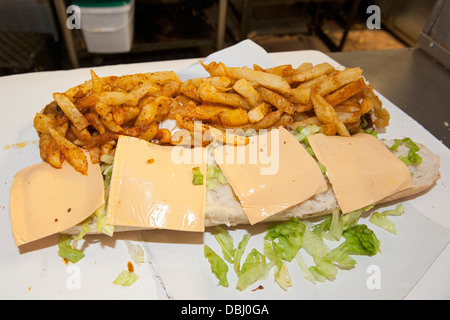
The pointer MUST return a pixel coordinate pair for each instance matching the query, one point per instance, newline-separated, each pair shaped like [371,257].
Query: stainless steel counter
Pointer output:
[412,80]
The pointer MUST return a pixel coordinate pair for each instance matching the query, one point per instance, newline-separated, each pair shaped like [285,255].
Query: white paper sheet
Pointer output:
[38,273]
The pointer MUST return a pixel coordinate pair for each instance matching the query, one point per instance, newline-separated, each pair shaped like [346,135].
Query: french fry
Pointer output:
[234,117]
[245,89]
[258,113]
[277,100]
[268,80]
[118,115]
[149,133]
[49,150]
[382,116]
[326,114]
[338,80]
[346,92]
[73,154]
[149,110]
[284,70]
[300,95]
[267,122]
[115,98]
[314,72]
[95,121]
[366,105]
[96,82]
[164,136]
[211,94]
[75,116]
[42,122]
[215,69]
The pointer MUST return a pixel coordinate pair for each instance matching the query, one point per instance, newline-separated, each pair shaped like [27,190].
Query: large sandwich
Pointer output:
[148,151]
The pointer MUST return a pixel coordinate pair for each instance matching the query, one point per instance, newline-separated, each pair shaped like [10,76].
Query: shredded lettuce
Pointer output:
[225,241]
[372,132]
[283,278]
[214,177]
[307,274]
[413,157]
[66,251]
[253,269]
[286,241]
[381,219]
[360,240]
[136,252]
[283,240]
[197,176]
[238,253]
[218,267]
[302,133]
[231,254]
[126,278]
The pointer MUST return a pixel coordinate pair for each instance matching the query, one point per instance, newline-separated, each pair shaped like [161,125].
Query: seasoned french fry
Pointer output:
[75,116]
[346,92]
[97,84]
[73,154]
[258,113]
[300,95]
[149,133]
[314,72]
[149,111]
[163,136]
[338,80]
[277,100]
[268,80]
[234,117]
[381,114]
[245,89]
[326,114]
[49,150]
[95,121]
[42,122]
[211,94]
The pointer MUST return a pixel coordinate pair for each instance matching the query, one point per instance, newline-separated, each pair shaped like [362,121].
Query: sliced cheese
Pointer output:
[151,186]
[271,173]
[45,200]
[360,168]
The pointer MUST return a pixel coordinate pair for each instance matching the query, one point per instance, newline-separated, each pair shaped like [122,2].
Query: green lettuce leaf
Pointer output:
[381,219]
[225,241]
[413,157]
[283,278]
[218,267]
[126,278]
[66,251]
[360,240]
[253,269]
[284,239]
[238,252]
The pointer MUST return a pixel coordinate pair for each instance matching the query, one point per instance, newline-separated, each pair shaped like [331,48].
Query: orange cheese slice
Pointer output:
[271,173]
[360,168]
[45,200]
[152,186]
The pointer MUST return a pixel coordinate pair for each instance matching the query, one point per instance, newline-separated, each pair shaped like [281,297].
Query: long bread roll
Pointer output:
[223,207]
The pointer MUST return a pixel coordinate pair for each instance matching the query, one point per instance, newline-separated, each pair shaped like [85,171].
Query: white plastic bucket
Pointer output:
[108,29]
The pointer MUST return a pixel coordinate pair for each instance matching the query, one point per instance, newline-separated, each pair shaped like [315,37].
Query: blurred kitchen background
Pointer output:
[40,35]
